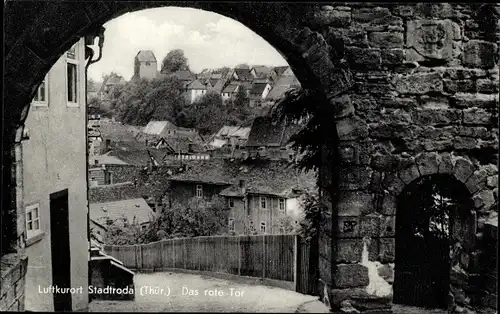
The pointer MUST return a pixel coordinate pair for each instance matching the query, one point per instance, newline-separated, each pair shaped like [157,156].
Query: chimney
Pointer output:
[243,186]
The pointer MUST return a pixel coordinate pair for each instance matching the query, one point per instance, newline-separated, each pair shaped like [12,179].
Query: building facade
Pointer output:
[54,190]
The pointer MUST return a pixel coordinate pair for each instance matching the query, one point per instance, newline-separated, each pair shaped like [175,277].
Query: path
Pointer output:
[253,298]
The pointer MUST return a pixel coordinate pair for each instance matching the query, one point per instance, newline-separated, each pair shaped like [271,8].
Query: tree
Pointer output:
[242,66]
[241,99]
[286,224]
[207,113]
[174,61]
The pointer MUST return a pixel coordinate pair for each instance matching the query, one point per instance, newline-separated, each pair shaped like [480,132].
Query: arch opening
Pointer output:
[435,225]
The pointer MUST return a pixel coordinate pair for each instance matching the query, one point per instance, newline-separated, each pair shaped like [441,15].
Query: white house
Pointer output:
[194,90]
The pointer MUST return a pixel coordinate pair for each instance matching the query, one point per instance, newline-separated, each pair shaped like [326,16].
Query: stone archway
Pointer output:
[465,248]
[47,29]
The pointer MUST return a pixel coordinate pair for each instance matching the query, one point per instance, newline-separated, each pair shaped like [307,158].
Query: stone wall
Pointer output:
[425,101]
[13,279]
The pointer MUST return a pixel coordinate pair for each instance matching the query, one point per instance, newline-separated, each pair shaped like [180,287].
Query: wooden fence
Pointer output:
[284,258]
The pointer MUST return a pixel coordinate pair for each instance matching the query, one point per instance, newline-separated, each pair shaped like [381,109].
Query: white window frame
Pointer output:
[231,202]
[44,103]
[73,61]
[231,224]
[33,232]
[262,224]
[282,201]
[263,198]
[199,191]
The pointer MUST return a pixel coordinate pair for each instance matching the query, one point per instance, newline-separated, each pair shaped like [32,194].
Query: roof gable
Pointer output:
[265,132]
[134,210]
[258,88]
[196,84]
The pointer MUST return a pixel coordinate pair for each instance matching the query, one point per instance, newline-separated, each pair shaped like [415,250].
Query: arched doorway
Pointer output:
[431,217]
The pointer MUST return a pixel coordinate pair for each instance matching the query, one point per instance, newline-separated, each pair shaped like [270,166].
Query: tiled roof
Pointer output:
[277,92]
[184,75]
[136,158]
[181,145]
[244,74]
[290,81]
[262,176]
[135,210]
[196,85]
[114,79]
[120,135]
[113,192]
[213,81]
[236,131]
[156,127]
[109,160]
[262,70]
[265,132]
[231,88]
[146,56]
[258,88]
[279,70]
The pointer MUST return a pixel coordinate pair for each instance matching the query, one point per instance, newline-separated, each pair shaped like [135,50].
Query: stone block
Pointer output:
[409,174]
[386,40]
[343,106]
[393,183]
[404,10]
[348,227]
[477,181]
[386,271]
[325,270]
[418,83]
[433,102]
[484,199]
[466,100]
[428,163]
[350,276]
[480,54]
[389,205]
[375,15]
[445,163]
[369,226]
[390,131]
[392,56]
[437,116]
[487,86]
[431,39]
[351,128]
[455,86]
[459,73]
[354,152]
[384,162]
[325,246]
[354,177]
[463,169]
[332,17]
[387,226]
[492,181]
[471,131]
[364,58]
[387,250]
[354,203]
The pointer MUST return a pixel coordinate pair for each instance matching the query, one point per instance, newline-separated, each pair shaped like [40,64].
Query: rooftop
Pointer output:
[231,88]
[261,176]
[146,56]
[244,74]
[156,127]
[258,88]
[196,85]
[265,132]
[134,210]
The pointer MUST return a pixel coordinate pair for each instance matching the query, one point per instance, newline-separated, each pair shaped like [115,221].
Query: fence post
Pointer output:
[264,257]
[295,262]
[173,252]
[239,255]
[142,257]
[198,254]
[184,252]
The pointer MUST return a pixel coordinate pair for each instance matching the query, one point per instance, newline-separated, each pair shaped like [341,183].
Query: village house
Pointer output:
[282,71]
[258,93]
[233,136]
[194,91]
[261,71]
[258,193]
[180,149]
[107,85]
[242,75]
[230,91]
[145,65]
[156,130]
[54,187]
[270,140]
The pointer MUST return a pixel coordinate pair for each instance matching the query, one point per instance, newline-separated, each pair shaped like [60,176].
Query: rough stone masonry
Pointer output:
[425,101]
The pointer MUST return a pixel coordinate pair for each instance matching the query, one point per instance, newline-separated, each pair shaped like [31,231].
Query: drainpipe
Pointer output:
[22,134]
[91,37]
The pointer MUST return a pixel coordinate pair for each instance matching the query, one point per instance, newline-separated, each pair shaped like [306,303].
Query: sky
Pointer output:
[209,40]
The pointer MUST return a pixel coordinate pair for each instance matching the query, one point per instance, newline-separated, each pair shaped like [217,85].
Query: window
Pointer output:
[282,205]
[263,226]
[148,64]
[231,202]
[72,77]
[41,95]
[33,227]
[263,202]
[231,224]
[199,191]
